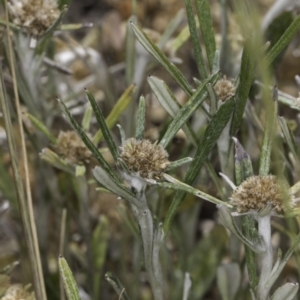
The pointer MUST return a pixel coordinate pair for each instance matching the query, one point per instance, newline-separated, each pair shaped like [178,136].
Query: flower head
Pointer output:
[36,15]
[18,292]
[71,148]
[256,192]
[224,89]
[143,158]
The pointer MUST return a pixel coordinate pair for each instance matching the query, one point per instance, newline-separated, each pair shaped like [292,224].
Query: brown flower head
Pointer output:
[18,292]
[256,192]
[35,15]
[71,148]
[224,89]
[145,159]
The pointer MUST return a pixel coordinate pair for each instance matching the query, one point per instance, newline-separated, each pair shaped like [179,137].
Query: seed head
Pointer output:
[224,89]
[35,15]
[256,192]
[71,148]
[18,292]
[145,159]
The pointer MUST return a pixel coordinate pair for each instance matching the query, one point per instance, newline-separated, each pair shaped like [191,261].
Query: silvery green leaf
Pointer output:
[229,279]
[170,104]
[195,38]
[175,184]
[161,58]
[178,163]
[288,136]
[286,292]
[53,159]
[122,133]
[187,110]
[226,218]
[68,280]
[43,128]
[276,273]
[102,177]
[87,117]
[186,286]
[171,28]
[140,121]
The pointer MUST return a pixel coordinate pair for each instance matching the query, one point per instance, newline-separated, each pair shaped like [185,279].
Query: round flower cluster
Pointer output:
[145,159]
[256,192]
[35,15]
[18,292]
[71,148]
[224,89]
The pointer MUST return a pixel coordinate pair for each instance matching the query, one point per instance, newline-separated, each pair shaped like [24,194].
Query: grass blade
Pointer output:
[140,121]
[195,40]
[102,124]
[68,280]
[187,110]
[161,58]
[212,133]
[206,26]
[246,78]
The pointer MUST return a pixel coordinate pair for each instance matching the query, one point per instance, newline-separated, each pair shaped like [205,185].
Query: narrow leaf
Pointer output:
[287,292]
[102,177]
[271,117]
[284,40]
[195,39]
[116,112]
[243,164]
[210,137]
[103,126]
[207,30]
[177,185]
[246,77]
[68,280]
[288,136]
[187,110]
[275,274]
[161,58]
[43,128]
[87,117]
[53,159]
[178,163]
[130,50]
[140,121]
[170,104]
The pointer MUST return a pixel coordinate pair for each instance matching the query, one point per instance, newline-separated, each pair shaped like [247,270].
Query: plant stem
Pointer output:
[151,247]
[264,229]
